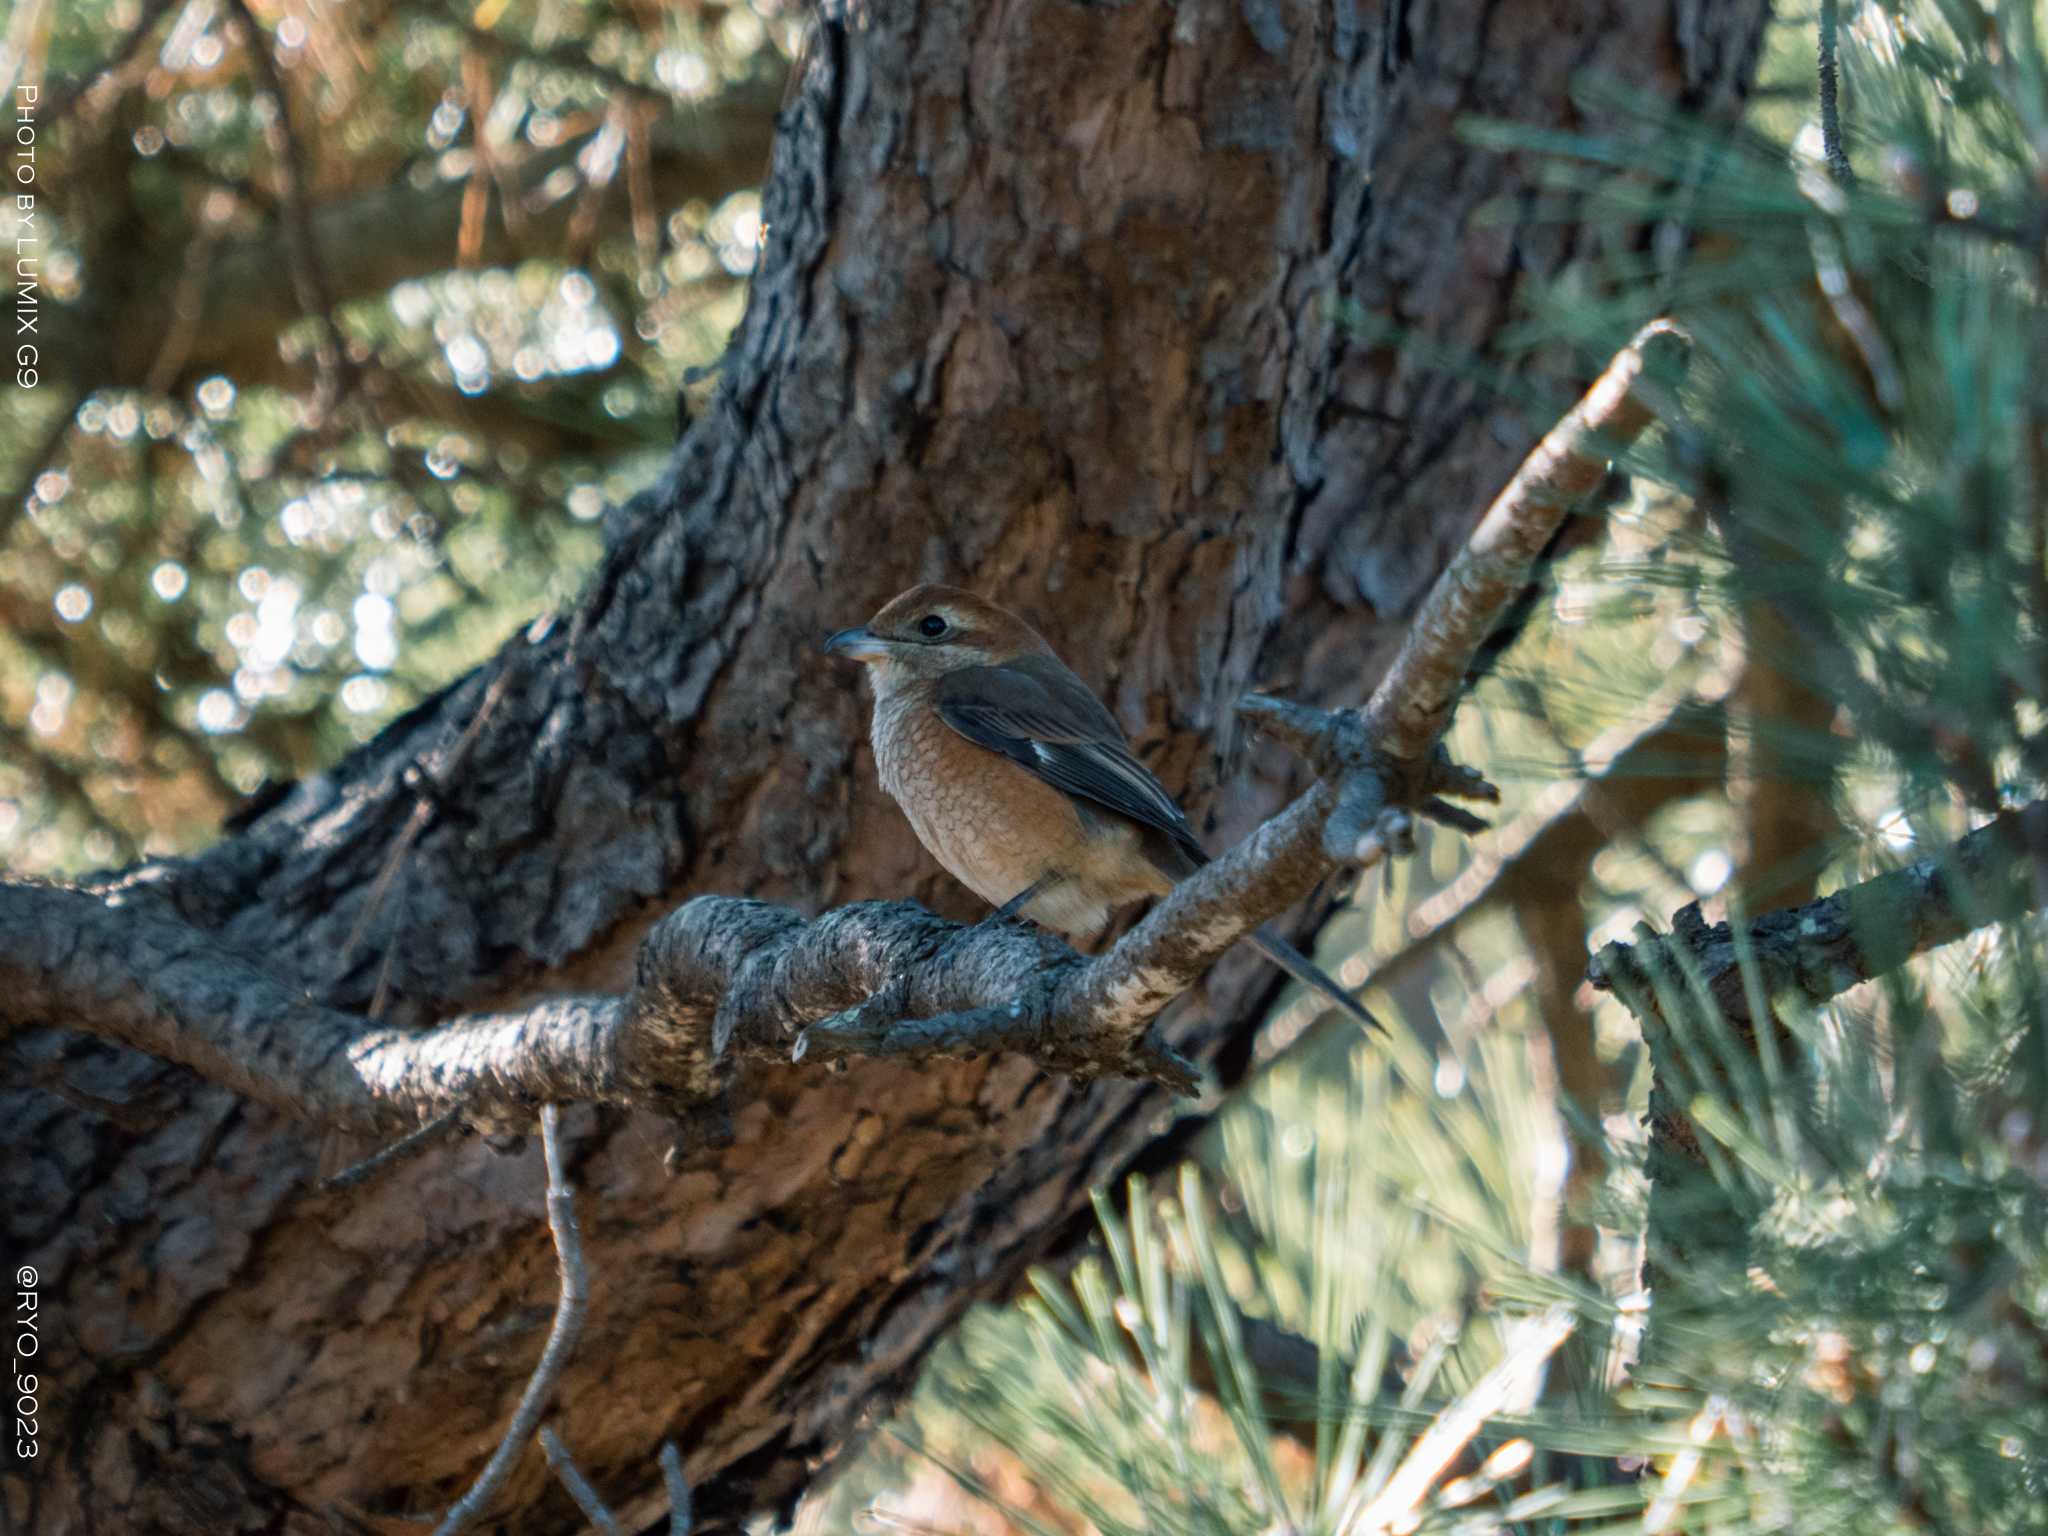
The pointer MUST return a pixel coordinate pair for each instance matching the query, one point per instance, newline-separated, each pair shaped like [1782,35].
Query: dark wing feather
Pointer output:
[1043,718]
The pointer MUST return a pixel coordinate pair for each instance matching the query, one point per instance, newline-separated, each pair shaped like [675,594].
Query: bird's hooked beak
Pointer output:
[857,644]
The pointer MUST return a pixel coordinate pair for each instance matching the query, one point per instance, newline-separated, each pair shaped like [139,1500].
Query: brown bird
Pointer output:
[1015,776]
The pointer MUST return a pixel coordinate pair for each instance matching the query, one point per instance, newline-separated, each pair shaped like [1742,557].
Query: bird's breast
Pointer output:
[998,828]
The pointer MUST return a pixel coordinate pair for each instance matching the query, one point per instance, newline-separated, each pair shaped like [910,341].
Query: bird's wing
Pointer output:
[1043,718]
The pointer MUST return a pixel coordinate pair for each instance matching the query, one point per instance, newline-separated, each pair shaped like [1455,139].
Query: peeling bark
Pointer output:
[1050,306]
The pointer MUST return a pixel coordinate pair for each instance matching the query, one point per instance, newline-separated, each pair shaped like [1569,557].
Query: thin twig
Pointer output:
[594,1508]
[678,1489]
[309,272]
[569,1313]
[481,90]
[439,777]
[1830,108]
[404,1150]
[640,121]
[599,166]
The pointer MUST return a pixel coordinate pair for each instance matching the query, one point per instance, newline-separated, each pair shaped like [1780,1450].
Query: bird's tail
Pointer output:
[1309,974]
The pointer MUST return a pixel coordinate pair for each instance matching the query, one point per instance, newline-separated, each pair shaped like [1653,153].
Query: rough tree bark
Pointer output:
[1051,304]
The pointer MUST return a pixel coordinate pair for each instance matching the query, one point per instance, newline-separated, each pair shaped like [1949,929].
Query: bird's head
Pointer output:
[932,630]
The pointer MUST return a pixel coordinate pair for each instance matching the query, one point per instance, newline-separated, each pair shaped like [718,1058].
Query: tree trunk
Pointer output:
[1072,303]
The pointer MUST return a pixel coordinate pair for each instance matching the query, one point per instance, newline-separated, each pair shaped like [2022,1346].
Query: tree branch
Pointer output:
[571,1305]
[722,978]
[1830,106]
[587,1498]
[1825,947]
[1412,704]
[67,96]
[302,247]
[718,978]
[1816,951]
[678,1487]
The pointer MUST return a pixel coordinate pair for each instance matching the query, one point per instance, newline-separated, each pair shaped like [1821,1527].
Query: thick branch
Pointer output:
[1092,1016]
[717,976]
[72,960]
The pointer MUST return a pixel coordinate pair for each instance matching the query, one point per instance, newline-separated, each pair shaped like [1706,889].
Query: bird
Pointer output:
[1018,779]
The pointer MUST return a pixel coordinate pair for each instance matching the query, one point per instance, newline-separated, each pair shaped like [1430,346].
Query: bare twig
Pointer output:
[476,186]
[640,120]
[1830,106]
[1411,706]
[600,168]
[309,274]
[678,1490]
[1400,1502]
[594,1508]
[568,1326]
[404,1150]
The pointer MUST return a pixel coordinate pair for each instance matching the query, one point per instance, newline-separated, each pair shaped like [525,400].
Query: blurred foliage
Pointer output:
[332,396]
[1866,432]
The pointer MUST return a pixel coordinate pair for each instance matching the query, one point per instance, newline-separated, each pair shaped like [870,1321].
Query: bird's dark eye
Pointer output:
[931,626]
